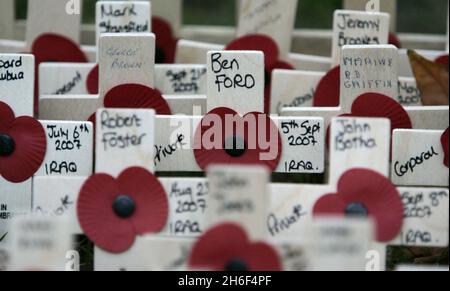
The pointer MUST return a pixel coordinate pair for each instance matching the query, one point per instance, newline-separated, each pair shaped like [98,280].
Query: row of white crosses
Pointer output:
[241,106]
[107,161]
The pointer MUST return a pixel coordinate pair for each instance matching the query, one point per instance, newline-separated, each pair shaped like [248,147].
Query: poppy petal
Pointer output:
[29,153]
[329,204]
[6,117]
[152,206]
[92,81]
[136,96]
[51,47]
[328,90]
[163,31]
[217,246]
[257,42]
[262,257]
[97,217]
[443,60]
[207,154]
[378,195]
[444,141]
[378,105]
[394,40]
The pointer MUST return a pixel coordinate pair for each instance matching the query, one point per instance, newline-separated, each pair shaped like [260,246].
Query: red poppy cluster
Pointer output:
[227,247]
[23,145]
[237,146]
[365,193]
[268,46]
[112,212]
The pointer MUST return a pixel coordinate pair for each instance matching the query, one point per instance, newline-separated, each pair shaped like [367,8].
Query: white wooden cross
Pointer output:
[16,87]
[387,6]
[122,17]
[358,28]
[39,243]
[418,158]
[426,209]
[71,79]
[273,18]
[227,72]
[429,117]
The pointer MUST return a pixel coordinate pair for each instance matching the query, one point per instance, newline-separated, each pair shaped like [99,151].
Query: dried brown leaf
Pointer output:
[432,79]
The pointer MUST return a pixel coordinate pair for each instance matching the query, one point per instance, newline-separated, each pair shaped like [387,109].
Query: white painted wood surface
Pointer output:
[39,243]
[293,89]
[57,197]
[303,141]
[122,17]
[188,201]
[147,254]
[17,83]
[124,138]
[181,79]
[67,107]
[70,149]
[426,217]
[235,79]
[50,16]
[359,143]
[418,158]
[408,93]
[64,78]
[15,200]
[194,52]
[358,28]
[125,58]
[368,69]
[238,194]
[387,6]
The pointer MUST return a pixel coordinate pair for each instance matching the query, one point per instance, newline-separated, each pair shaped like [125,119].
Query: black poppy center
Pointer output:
[356,210]
[267,77]
[160,56]
[7,145]
[235,146]
[236,265]
[124,206]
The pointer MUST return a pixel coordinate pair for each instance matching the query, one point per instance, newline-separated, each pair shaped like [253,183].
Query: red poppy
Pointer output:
[258,42]
[218,141]
[51,47]
[444,142]
[227,248]
[394,40]
[112,212]
[135,96]
[23,145]
[363,192]
[443,60]
[166,43]
[328,90]
[92,81]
